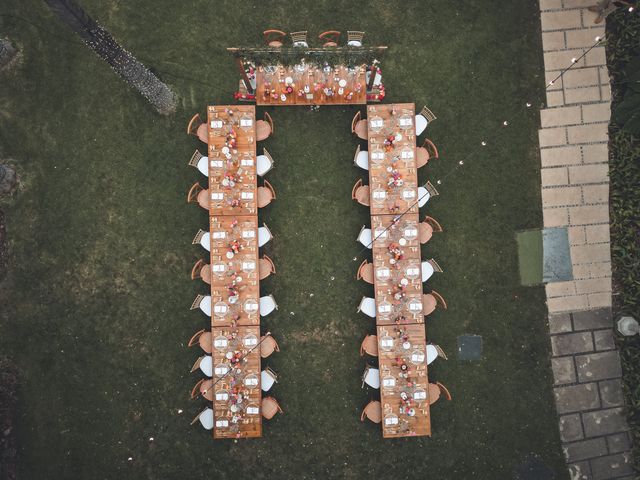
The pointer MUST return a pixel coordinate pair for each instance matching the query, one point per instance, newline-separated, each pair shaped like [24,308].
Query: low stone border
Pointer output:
[588,394]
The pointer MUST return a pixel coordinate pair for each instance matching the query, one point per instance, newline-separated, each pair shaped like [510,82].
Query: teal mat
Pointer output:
[557,256]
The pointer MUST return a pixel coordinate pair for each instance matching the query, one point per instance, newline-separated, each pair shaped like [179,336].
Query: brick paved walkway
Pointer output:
[575,194]
[573,148]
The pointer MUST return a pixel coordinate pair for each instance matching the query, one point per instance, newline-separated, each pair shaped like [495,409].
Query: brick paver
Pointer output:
[575,194]
[588,393]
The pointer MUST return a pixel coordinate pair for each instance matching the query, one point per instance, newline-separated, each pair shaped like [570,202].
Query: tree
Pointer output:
[7,52]
[124,64]
[8,179]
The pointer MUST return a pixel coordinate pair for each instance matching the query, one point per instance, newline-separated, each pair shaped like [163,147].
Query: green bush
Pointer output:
[623,58]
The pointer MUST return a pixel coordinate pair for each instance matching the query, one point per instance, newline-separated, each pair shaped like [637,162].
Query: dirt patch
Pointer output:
[4,249]
[8,447]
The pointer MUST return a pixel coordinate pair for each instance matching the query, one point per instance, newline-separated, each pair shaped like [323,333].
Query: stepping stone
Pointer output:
[556,265]
[470,348]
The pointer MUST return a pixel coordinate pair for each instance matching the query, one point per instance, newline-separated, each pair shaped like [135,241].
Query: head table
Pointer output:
[307,84]
[235,284]
[393,185]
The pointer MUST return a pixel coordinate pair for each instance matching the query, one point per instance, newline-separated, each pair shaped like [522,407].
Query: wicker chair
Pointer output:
[200,162]
[204,364]
[365,237]
[435,351]
[429,268]
[423,119]
[203,239]
[264,163]
[371,377]
[267,379]
[361,159]
[299,39]
[203,302]
[354,38]
[425,193]
[206,418]
[264,235]
[267,305]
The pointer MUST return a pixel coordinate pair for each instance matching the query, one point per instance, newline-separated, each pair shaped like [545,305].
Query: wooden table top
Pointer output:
[235,275]
[232,160]
[393,176]
[310,85]
[237,397]
[397,269]
[403,373]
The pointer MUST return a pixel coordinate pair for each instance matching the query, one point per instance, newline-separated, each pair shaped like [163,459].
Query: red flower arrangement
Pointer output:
[244,96]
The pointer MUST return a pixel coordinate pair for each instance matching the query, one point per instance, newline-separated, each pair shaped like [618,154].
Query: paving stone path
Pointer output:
[575,195]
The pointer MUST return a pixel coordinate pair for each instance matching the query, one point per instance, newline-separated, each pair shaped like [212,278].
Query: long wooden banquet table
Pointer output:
[402,342]
[236,369]
[232,160]
[307,84]
[235,285]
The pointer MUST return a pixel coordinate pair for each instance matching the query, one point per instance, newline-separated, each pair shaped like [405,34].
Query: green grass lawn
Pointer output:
[95,309]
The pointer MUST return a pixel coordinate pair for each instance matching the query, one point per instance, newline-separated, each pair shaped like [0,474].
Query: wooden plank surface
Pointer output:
[393,183]
[403,380]
[393,176]
[232,160]
[310,85]
[237,397]
[397,269]
[235,284]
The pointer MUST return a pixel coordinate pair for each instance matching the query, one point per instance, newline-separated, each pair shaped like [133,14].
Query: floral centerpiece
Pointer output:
[396,253]
[235,247]
[230,179]
[231,140]
[388,143]
[395,177]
